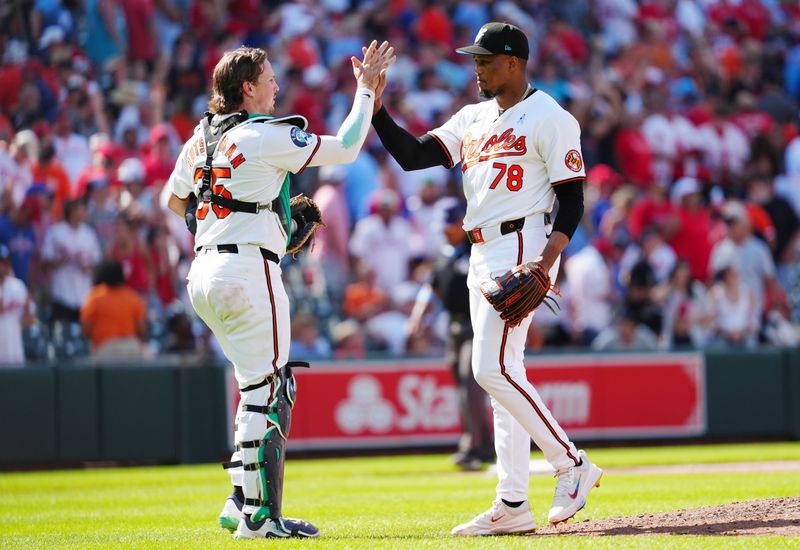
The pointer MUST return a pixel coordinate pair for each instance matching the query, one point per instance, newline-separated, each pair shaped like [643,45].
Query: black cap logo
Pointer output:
[498,38]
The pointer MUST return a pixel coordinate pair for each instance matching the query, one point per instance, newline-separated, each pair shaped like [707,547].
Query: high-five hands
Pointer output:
[370,71]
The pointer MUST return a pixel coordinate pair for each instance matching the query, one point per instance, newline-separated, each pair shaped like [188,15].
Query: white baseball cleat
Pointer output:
[500,519]
[281,528]
[572,488]
[231,513]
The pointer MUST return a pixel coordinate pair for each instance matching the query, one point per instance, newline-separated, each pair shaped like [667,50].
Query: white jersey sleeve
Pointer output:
[180,181]
[559,145]
[450,133]
[288,147]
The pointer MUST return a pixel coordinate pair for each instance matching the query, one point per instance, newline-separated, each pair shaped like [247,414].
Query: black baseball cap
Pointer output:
[498,38]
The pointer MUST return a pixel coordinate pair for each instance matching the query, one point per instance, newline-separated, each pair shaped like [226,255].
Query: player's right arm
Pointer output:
[410,152]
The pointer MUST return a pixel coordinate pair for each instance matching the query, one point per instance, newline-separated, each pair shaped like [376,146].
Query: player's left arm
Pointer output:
[560,147]
[570,212]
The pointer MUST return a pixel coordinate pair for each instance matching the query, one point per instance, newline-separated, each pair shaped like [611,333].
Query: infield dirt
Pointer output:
[766,517]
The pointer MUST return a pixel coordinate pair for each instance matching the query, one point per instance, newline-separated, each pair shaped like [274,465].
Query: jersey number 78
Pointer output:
[513,175]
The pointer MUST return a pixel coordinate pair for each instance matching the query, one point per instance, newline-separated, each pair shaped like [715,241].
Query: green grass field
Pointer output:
[391,502]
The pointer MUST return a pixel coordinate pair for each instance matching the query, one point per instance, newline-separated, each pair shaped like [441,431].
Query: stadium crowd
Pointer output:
[689,114]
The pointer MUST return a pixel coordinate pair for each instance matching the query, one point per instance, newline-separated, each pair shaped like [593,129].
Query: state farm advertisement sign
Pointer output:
[614,396]
[374,405]
[412,403]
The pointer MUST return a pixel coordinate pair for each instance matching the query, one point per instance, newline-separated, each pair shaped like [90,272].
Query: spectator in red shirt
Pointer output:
[160,161]
[161,265]
[633,155]
[49,171]
[434,25]
[312,96]
[565,44]
[127,249]
[691,240]
[99,170]
[601,182]
[653,210]
[142,32]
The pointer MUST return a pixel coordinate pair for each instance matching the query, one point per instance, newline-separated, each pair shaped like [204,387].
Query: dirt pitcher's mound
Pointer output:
[775,517]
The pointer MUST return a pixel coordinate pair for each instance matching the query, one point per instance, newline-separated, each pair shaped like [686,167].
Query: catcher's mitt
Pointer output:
[306,219]
[519,291]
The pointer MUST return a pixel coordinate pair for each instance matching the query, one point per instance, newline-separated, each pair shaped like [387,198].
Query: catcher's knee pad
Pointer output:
[264,421]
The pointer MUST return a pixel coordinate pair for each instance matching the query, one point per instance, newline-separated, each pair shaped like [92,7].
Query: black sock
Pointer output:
[512,504]
[238,492]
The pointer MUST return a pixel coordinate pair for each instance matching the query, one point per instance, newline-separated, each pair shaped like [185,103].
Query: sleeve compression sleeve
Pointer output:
[343,148]
[411,153]
[570,207]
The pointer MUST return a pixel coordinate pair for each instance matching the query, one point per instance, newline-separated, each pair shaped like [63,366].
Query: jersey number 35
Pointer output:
[217,189]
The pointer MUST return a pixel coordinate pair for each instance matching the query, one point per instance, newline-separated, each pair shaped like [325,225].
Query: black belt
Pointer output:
[506,227]
[475,236]
[234,249]
[512,225]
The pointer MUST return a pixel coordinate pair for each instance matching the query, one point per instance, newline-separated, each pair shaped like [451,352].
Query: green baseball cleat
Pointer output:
[231,513]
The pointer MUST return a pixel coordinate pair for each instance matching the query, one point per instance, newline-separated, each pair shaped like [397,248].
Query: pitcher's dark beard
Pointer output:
[491,94]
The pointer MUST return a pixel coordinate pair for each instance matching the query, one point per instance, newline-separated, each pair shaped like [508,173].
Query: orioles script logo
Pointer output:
[504,145]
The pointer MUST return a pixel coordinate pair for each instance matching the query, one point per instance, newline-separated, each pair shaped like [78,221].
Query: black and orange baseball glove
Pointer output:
[306,219]
[517,292]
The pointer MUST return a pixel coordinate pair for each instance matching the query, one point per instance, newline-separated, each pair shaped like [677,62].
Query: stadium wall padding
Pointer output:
[28,403]
[78,413]
[153,413]
[792,391]
[745,393]
[172,414]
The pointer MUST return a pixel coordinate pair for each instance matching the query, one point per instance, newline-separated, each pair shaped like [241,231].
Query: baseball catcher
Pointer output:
[237,166]
[517,292]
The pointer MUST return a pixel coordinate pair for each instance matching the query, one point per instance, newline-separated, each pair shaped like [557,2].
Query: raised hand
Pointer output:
[377,59]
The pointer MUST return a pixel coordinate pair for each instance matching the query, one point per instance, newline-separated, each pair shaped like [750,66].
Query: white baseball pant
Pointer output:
[497,363]
[242,300]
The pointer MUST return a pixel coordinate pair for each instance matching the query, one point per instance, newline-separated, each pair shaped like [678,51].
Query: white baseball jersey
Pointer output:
[251,163]
[511,161]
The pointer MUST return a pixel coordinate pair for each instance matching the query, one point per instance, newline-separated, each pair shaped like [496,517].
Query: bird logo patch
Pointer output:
[573,160]
[299,137]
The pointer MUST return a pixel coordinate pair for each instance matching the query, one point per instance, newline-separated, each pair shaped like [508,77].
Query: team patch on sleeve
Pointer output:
[300,138]
[573,160]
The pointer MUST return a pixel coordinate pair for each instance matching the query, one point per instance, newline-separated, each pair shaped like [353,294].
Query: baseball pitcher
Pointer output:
[518,151]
